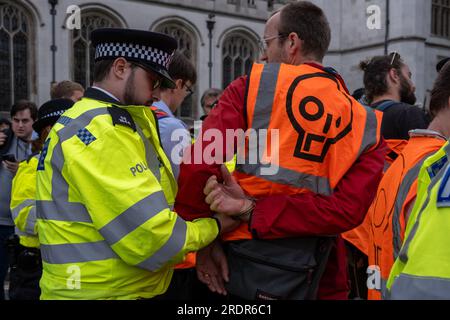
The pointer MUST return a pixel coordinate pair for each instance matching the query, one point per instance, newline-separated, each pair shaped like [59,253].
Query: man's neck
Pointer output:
[387,96]
[108,90]
[441,124]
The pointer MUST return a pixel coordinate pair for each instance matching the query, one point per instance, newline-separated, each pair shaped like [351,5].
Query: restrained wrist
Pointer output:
[246,213]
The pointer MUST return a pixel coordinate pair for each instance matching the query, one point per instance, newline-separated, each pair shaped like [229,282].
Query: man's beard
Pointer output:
[129,96]
[406,93]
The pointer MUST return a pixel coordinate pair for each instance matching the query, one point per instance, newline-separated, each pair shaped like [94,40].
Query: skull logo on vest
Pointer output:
[314,146]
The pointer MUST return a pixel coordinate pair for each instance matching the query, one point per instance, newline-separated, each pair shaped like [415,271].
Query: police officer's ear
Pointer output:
[121,68]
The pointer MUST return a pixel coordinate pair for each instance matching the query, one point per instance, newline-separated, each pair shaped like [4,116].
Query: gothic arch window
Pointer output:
[440,20]
[239,51]
[187,45]
[16,35]
[83,51]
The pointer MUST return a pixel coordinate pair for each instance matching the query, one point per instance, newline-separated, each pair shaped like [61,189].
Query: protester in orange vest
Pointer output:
[388,89]
[328,144]
[396,194]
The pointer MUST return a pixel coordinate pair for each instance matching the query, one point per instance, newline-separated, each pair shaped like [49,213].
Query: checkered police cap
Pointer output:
[151,50]
[50,112]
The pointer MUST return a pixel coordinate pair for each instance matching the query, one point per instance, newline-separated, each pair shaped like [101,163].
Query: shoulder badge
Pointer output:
[434,169]
[443,199]
[122,117]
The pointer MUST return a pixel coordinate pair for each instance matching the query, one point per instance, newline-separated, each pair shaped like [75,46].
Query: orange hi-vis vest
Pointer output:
[321,132]
[395,195]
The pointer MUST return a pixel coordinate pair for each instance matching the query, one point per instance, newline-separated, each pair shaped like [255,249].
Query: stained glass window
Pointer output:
[83,52]
[239,51]
[440,22]
[15,77]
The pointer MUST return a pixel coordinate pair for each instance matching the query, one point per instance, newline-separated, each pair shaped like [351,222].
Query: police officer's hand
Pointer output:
[212,267]
[3,137]
[227,223]
[11,166]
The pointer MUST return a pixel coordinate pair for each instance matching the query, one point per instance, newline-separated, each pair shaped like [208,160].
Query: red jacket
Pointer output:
[298,215]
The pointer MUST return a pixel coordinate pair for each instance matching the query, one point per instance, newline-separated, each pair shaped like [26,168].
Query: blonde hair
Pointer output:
[65,89]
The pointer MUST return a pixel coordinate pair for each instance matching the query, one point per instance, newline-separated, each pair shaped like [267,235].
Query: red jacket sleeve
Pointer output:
[311,214]
[229,114]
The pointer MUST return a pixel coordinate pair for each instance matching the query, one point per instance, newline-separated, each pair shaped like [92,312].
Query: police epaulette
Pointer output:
[122,117]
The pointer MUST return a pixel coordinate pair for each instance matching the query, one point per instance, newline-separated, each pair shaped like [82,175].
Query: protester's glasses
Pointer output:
[264,42]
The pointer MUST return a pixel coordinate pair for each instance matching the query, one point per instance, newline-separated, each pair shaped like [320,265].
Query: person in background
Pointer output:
[67,90]
[209,100]
[25,256]
[14,150]
[175,136]
[389,89]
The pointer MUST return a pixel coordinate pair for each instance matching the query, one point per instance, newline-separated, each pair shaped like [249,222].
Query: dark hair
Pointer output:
[22,105]
[375,72]
[441,91]
[311,25]
[182,68]
[213,92]
[101,69]
[65,89]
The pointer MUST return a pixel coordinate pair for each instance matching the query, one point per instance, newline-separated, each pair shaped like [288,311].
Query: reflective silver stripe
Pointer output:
[370,131]
[265,98]
[80,122]
[134,217]
[408,287]
[150,155]
[72,212]
[319,185]
[403,255]
[403,191]
[26,203]
[173,246]
[60,209]
[261,120]
[75,253]
[31,221]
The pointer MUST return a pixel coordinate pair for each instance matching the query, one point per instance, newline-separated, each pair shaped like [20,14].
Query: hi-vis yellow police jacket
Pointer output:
[23,202]
[104,197]
[422,269]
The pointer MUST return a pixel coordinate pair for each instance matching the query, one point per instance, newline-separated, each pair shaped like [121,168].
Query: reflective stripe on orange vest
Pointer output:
[322,132]
[396,192]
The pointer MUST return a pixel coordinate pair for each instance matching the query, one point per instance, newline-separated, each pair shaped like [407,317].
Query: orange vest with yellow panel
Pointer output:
[321,132]
[396,193]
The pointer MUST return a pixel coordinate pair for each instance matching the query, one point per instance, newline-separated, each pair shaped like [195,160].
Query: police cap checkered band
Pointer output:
[150,50]
[50,112]
[134,51]
[53,114]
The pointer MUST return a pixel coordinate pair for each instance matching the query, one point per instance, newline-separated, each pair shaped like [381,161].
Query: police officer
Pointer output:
[105,188]
[26,266]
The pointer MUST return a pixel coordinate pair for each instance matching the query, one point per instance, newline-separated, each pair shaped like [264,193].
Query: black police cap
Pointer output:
[50,112]
[152,51]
